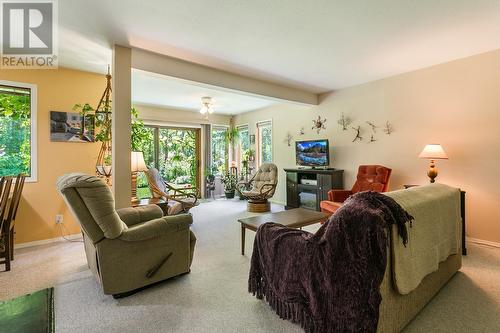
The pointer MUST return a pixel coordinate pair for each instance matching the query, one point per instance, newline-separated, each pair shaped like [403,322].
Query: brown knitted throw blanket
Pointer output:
[328,281]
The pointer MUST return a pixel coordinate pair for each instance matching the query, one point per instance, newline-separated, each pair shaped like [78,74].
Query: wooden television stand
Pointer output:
[306,188]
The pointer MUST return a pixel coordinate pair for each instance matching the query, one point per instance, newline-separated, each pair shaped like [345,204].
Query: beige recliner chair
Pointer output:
[262,186]
[128,248]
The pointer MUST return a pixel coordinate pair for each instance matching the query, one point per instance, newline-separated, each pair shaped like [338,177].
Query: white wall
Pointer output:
[456,104]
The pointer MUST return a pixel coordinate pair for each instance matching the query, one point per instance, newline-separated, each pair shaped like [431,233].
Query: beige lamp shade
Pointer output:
[433,152]
[137,161]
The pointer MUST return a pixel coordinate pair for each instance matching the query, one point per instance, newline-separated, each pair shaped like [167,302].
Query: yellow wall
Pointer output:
[456,104]
[58,90]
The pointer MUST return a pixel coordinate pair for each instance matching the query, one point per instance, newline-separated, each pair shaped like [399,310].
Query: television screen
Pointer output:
[312,153]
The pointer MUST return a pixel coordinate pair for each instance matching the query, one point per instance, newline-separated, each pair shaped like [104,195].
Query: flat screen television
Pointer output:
[314,153]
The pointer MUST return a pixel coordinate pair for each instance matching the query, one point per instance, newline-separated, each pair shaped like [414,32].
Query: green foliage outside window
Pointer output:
[219,150]
[177,155]
[266,144]
[142,137]
[177,160]
[15,131]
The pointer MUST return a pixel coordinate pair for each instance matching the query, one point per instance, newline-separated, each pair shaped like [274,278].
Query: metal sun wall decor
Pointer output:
[318,124]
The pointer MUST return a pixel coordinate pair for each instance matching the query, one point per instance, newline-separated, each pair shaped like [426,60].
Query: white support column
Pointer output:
[122,61]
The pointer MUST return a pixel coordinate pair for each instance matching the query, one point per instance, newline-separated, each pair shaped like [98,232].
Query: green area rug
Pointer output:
[29,313]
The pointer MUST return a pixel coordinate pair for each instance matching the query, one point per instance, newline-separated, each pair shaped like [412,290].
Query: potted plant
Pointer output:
[243,179]
[232,136]
[249,155]
[139,133]
[229,180]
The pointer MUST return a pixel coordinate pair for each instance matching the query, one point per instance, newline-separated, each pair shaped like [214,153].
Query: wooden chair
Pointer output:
[183,198]
[5,185]
[14,205]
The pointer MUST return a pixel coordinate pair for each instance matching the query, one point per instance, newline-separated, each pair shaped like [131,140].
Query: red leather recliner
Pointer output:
[370,178]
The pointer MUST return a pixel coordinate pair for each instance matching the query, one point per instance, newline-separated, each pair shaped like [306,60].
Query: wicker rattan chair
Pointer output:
[180,200]
[262,186]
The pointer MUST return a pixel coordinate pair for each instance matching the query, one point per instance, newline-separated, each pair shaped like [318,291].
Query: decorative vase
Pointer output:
[229,194]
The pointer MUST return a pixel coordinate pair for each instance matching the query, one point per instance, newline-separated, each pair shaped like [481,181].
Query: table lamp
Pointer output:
[137,165]
[433,152]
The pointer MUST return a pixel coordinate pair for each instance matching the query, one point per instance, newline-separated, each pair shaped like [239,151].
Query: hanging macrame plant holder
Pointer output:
[103,165]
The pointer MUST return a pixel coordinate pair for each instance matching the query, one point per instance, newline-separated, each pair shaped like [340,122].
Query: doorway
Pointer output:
[176,153]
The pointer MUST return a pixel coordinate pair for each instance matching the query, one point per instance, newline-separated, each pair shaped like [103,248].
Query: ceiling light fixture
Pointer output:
[206,105]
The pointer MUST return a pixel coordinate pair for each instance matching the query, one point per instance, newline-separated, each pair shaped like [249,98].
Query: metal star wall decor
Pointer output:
[319,124]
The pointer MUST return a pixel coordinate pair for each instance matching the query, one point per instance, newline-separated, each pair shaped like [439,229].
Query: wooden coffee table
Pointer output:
[293,218]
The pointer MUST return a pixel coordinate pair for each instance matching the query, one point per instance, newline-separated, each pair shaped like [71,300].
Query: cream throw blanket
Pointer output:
[433,237]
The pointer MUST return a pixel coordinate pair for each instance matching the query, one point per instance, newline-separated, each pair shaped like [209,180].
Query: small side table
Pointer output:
[462,214]
[152,201]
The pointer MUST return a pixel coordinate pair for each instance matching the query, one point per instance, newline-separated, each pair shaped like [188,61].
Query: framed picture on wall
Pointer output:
[252,139]
[71,127]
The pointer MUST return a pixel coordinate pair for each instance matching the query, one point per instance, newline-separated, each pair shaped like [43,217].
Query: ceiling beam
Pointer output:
[204,75]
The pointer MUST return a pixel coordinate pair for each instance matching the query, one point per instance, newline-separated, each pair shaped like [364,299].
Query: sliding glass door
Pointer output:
[175,152]
[178,155]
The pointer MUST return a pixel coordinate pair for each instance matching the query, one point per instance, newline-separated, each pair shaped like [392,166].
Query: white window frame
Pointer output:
[258,140]
[33,178]
[217,126]
[238,148]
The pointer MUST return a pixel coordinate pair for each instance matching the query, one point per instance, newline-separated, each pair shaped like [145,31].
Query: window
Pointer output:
[220,158]
[243,145]
[265,142]
[18,129]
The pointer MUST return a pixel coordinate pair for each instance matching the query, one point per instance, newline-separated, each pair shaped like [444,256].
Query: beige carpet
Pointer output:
[213,297]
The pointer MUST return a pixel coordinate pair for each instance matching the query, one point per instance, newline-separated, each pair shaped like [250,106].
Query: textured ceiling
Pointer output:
[317,45]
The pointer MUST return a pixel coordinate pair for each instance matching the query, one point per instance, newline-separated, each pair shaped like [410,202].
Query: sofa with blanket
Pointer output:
[372,267]
[433,255]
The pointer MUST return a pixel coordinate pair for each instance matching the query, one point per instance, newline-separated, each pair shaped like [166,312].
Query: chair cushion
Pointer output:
[174,207]
[372,178]
[330,207]
[250,193]
[266,174]
[155,179]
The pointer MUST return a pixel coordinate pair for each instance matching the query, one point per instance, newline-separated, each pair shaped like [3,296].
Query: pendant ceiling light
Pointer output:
[206,105]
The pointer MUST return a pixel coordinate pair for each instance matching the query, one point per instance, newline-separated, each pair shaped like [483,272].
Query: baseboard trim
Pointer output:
[278,202]
[483,242]
[47,241]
